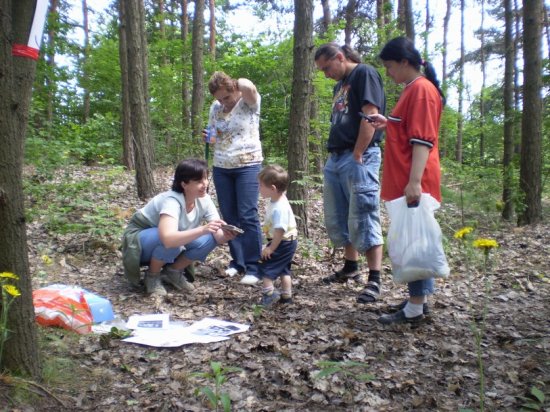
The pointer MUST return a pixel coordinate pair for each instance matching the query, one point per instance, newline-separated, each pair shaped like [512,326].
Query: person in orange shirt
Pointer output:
[411,155]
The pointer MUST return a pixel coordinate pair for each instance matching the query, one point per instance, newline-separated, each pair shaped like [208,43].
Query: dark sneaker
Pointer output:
[270,300]
[285,300]
[395,308]
[399,317]
[342,277]
[176,279]
[189,273]
[153,285]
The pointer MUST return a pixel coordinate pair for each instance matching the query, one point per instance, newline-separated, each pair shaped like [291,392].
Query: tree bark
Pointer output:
[482,59]
[185,95]
[86,52]
[531,122]
[127,137]
[300,110]
[139,97]
[212,42]
[50,61]
[444,129]
[16,78]
[508,151]
[197,59]
[460,121]
[405,18]
[349,18]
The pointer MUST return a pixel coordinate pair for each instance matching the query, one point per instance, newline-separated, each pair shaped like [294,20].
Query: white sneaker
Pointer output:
[231,272]
[249,280]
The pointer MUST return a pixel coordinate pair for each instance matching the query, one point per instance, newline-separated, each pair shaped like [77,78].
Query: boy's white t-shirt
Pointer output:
[279,215]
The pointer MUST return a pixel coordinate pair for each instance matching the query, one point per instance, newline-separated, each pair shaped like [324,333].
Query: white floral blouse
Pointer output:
[237,135]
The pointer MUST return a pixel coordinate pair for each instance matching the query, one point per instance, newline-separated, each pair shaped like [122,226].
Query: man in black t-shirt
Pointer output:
[351,174]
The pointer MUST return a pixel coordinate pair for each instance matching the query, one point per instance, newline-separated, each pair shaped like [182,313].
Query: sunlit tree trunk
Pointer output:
[128,156]
[460,121]
[197,58]
[86,29]
[21,352]
[508,154]
[185,95]
[531,123]
[327,19]
[139,97]
[517,87]
[302,74]
[212,42]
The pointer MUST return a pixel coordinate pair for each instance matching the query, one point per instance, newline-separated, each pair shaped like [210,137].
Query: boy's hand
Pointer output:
[266,253]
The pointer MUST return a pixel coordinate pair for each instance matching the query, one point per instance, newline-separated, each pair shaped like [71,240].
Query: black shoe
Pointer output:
[395,308]
[342,277]
[399,317]
[189,273]
[285,300]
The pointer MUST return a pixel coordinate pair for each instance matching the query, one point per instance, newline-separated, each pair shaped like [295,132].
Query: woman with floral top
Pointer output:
[235,117]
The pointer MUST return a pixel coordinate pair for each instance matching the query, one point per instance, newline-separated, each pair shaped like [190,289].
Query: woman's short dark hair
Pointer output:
[329,50]
[187,170]
[402,48]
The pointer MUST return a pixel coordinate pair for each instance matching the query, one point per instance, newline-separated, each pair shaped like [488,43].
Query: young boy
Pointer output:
[280,230]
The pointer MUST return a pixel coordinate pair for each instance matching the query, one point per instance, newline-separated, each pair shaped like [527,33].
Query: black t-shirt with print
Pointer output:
[362,86]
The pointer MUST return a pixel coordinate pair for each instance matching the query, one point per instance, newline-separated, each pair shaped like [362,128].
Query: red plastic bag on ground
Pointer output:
[63,306]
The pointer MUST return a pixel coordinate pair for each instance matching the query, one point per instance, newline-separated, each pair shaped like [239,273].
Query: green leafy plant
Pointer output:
[257,311]
[534,401]
[218,376]
[349,369]
[8,292]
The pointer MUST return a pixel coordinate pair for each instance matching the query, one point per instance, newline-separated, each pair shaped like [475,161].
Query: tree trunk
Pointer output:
[212,8]
[185,96]
[405,18]
[483,82]
[139,97]
[508,154]
[300,110]
[349,18]
[197,59]
[427,28]
[127,136]
[86,102]
[460,121]
[16,78]
[531,122]
[50,61]
[444,135]
[326,21]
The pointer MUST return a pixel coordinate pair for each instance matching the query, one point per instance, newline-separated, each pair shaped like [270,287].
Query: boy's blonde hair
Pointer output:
[274,175]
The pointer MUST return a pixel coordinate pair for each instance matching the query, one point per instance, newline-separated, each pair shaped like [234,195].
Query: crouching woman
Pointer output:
[172,230]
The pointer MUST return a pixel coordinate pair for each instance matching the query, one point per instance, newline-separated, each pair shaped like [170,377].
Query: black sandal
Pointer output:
[370,294]
[342,277]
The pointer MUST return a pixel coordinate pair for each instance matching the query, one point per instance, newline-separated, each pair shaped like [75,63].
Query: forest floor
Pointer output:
[489,327]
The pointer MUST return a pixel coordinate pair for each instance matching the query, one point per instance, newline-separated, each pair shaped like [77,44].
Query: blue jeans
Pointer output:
[152,247]
[422,287]
[238,191]
[351,195]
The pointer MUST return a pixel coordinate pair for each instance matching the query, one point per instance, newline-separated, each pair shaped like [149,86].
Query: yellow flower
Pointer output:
[46,259]
[459,234]
[485,244]
[12,290]
[9,275]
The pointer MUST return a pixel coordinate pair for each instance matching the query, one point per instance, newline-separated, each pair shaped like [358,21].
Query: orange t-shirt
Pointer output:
[414,120]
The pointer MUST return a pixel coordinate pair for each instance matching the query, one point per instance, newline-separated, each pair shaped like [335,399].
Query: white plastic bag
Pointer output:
[415,240]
